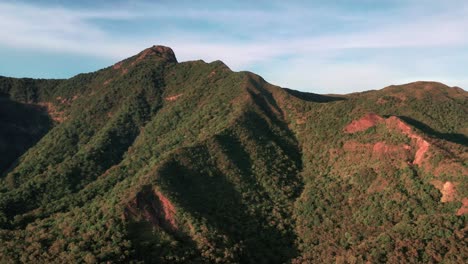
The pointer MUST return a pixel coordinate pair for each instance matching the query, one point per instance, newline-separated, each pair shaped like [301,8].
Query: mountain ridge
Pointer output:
[155,160]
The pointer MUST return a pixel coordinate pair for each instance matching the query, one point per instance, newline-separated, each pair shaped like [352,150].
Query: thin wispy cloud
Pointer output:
[272,38]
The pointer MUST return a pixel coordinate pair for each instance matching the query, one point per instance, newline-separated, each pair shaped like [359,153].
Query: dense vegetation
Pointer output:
[155,161]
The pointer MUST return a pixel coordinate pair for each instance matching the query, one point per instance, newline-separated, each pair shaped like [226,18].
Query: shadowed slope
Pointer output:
[21,127]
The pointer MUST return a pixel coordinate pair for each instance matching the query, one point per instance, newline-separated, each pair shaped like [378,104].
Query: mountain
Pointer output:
[155,161]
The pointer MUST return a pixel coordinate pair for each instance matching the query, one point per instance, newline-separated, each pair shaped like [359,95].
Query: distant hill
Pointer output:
[155,161]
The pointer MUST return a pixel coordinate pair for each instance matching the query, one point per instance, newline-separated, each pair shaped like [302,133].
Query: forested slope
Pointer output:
[151,160]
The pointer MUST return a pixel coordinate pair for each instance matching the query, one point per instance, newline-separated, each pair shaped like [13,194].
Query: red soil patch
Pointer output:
[421,144]
[213,73]
[370,120]
[301,121]
[168,209]
[378,150]
[423,147]
[173,98]
[152,206]
[364,123]
[448,192]
[382,148]
[449,167]
[396,123]
[464,208]
[54,113]
[354,152]
[400,152]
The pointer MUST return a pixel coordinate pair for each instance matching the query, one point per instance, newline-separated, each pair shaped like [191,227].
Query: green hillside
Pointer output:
[155,161]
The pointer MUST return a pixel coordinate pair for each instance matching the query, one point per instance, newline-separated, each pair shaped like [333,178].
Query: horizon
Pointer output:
[332,47]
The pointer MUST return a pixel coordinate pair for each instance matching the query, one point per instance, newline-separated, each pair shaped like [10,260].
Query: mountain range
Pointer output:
[155,161]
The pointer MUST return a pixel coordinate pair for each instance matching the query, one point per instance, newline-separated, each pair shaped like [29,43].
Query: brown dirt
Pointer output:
[448,192]
[173,98]
[383,148]
[450,167]
[447,189]
[396,123]
[464,208]
[364,123]
[378,150]
[54,113]
[213,73]
[168,210]
[422,146]
[301,121]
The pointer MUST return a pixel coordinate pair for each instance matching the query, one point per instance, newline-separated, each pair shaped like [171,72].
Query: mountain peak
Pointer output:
[163,52]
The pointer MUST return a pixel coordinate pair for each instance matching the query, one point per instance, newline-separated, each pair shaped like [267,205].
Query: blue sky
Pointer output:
[332,46]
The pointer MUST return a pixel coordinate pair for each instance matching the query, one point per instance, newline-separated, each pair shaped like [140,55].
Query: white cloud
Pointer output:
[268,35]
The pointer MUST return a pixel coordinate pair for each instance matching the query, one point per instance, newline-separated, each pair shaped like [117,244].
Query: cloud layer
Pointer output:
[333,47]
